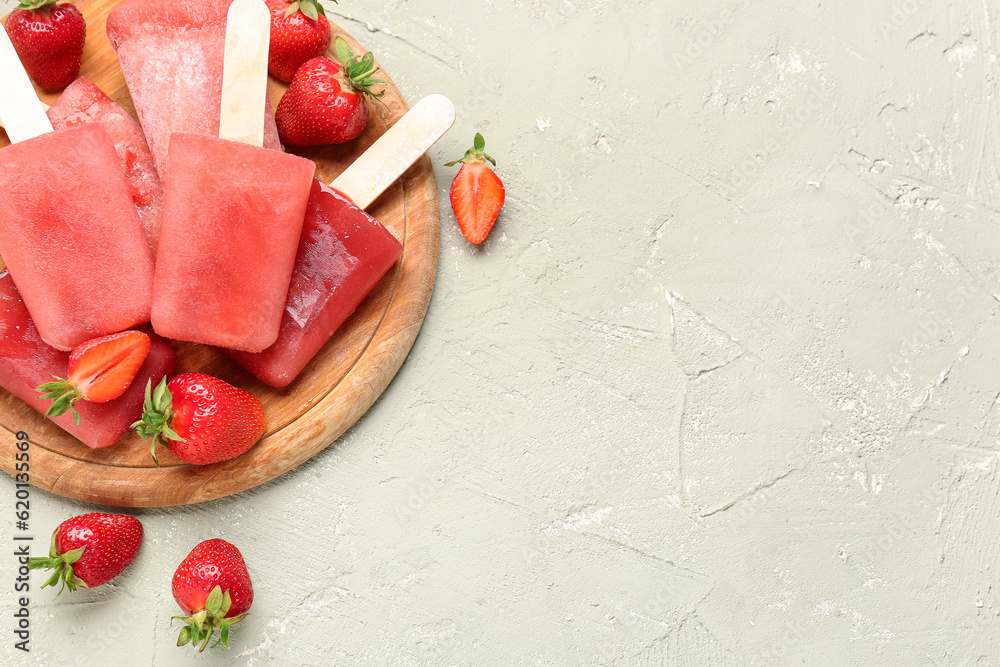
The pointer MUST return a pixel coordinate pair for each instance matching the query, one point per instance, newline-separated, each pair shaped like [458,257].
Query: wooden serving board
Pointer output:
[330,394]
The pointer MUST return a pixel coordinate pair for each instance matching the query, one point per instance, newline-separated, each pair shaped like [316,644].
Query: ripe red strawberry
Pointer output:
[48,37]
[299,31]
[204,419]
[213,588]
[326,102]
[90,549]
[100,370]
[477,194]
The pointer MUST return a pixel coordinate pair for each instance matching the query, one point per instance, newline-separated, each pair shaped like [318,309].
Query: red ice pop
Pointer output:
[69,233]
[232,212]
[83,102]
[171,53]
[344,252]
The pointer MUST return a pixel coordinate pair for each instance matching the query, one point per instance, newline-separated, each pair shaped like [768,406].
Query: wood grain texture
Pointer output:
[330,394]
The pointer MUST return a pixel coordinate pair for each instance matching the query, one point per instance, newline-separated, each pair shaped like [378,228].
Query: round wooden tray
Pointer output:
[330,394]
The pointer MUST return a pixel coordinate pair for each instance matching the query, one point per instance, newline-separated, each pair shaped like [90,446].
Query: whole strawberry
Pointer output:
[90,550]
[213,588]
[326,102]
[477,193]
[299,31]
[48,37]
[204,419]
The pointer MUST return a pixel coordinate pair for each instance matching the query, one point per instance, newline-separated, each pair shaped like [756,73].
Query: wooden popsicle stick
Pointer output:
[396,150]
[244,72]
[45,107]
[22,112]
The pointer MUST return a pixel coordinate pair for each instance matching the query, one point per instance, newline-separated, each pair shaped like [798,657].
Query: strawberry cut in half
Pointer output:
[477,194]
[100,370]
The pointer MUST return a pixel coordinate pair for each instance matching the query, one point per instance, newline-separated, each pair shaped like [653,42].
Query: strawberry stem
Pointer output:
[62,566]
[359,71]
[311,9]
[63,394]
[156,414]
[201,625]
[476,154]
[32,5]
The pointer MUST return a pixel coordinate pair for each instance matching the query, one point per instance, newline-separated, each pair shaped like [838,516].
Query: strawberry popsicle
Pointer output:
[342,254]
[83,102]
[232,216]
[26,362]
[171,53]
[69,232]
[71,236]
[232,211]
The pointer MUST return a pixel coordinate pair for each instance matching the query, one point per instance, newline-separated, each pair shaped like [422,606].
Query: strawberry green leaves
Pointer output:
[61,566]
[359,71]
[156,413]
[310,8]
[202,624]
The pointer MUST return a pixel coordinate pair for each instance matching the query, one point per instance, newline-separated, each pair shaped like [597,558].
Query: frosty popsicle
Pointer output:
[69,233]
[232,213]
[344,252]
[171,53]
[26,362]
[83,102]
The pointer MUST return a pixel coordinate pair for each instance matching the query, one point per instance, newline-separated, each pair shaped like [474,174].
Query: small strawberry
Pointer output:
[204,419]
[477,194]
[100,370]
[90,549]
[48,37]
[326,102]
[299,31]
[213,588]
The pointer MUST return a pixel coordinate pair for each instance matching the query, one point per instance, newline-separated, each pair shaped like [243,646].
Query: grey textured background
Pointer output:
[721,388]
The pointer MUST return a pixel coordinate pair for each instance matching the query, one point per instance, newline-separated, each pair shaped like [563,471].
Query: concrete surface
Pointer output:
[721,388]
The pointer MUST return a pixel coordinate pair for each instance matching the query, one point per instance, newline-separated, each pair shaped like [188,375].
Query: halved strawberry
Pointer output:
[477,194]
[100,370]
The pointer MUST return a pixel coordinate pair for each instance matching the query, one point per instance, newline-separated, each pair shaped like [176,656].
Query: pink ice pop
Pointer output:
[344,252]
[171,53]
[69,233]
[26,362]
[232,213]
[83,102]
